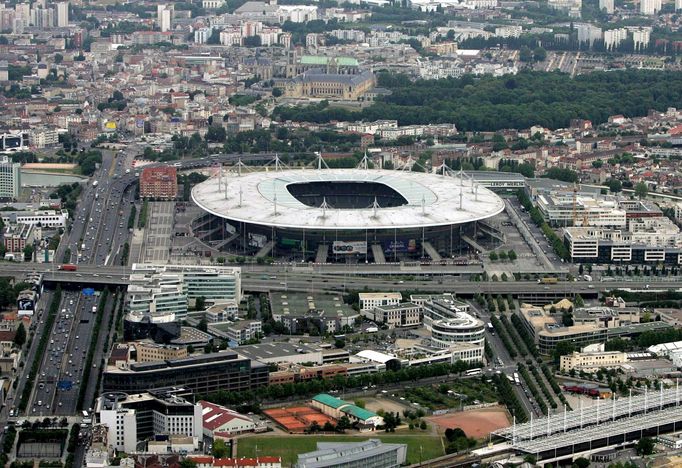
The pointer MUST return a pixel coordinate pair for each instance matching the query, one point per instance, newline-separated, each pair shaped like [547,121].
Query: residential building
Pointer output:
[614,37]
[642,36]
[592,361]
[369,301]
[205,373]
[219,421]
[62,14]
[164,17]
[365,454]
[203,461]
[649,7]
[508,31]
[10,178]
[17,236]
[607,6]
[588,33]
[140,416]
[159,183]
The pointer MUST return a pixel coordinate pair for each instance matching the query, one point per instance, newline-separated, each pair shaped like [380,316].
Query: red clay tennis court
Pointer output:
[297,418]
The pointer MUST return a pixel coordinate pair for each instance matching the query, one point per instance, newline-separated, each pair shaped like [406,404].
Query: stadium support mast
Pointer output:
[324,207]
[320,161]
[364,162]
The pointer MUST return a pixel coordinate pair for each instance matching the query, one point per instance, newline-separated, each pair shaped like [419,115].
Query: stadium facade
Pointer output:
[335,214]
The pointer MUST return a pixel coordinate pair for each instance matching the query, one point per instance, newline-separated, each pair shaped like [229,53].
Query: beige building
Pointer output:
[151,352]
[317,83]
[398,315]
[591,362]
[369,301]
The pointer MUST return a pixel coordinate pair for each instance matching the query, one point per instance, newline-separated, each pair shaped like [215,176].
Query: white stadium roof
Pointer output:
[262,198]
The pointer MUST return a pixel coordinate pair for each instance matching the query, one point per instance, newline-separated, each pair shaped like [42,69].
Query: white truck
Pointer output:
[587,277]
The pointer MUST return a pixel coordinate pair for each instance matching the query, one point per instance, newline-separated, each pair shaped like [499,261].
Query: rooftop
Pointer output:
[263,198]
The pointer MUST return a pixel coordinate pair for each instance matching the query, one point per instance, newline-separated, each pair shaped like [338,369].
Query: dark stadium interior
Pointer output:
[346,195]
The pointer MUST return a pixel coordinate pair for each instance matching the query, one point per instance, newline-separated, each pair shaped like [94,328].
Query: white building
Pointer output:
[244,330]
[369,301]
[614,37]
[678,5]
[641,38]
[588,33]
[164,16]
[508,31]
[607,6]
[220,421]
[649,7]
[202,35]
[592,361]
[397,315]
[62,14]
[46,218]
[144,415]
[10,178]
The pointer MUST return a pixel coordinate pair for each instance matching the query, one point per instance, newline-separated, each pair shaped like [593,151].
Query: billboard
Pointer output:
[400,246]
[355,247]
[257,240]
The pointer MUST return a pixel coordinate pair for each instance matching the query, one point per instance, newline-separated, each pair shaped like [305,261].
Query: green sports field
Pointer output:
[288,447]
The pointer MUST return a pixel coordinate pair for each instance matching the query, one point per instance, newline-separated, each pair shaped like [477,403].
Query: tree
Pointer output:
[525,54]
[645,446]
[511,255]
[578,301]
[562,348]
[641,190]
[343,423]
[220,449]
[493,256]
[58,58]
[539,54]
[339,343]
[20,337]
[28,253]
[597,164]
[188,463]
[614,185]
[200,304]
[277,92]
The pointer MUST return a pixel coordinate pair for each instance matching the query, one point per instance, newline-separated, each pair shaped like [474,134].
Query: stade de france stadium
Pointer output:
[336,215]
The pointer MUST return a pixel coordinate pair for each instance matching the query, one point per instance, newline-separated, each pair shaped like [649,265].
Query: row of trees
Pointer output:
[536,217]
[339,382]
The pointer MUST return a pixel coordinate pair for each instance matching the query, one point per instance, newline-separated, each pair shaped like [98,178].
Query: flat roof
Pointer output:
[262,198]
[273,350]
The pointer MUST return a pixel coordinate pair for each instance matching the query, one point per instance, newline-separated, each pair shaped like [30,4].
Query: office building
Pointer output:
[320,313]
[370,453]
[10,179]
[162,292]
[203,374]
[548,330]
[135,417]
[368,301]
[244,330]
[406,314]
[607,6]
[62,14]
[648,240]
[152,352]
[46,218]
[592,361]
[159,183]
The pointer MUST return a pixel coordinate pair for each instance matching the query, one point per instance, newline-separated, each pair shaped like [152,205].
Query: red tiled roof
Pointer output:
[218,415]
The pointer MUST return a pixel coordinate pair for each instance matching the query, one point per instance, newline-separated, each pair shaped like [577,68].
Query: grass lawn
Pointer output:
[288,447]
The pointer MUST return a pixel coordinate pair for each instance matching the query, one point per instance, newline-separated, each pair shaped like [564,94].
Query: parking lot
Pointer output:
[158,232]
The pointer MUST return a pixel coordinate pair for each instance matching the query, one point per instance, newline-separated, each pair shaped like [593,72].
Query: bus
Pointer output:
[517,381]
[491,329]
[471,372]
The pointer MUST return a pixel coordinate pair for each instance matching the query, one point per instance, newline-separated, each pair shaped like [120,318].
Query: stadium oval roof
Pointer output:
[262,198]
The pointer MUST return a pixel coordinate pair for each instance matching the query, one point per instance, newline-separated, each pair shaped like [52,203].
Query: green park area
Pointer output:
[288,447]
